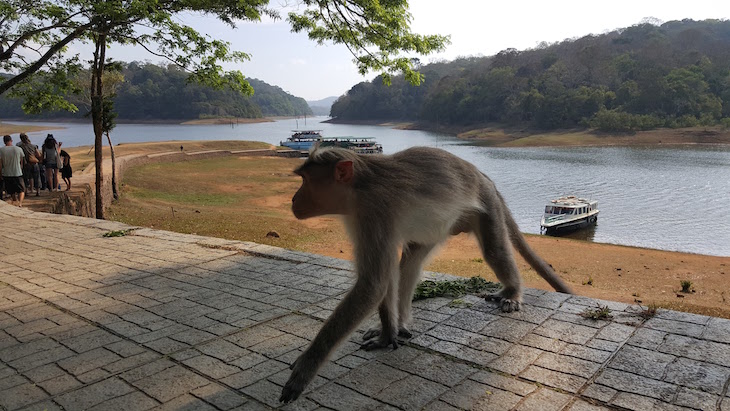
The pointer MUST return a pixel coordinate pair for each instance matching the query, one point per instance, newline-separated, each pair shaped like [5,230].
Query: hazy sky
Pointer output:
[477,27]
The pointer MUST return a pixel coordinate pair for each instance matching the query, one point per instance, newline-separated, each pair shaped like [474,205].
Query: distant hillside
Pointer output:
[153,92]
[640,77]
[322,107]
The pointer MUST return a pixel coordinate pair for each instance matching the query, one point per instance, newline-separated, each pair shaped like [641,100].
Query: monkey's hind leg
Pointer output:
[496,248]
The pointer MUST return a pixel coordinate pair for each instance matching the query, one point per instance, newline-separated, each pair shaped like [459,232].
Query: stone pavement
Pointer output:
[158,320]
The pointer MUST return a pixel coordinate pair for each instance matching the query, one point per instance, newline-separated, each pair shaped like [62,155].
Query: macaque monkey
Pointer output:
[408,202]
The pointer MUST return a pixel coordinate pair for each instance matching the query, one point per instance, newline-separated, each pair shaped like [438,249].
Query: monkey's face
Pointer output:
[321,193]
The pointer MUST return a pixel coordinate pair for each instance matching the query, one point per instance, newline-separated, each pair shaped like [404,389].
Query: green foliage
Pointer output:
[686,286]
[377,33]
[152,92]
[117,233]
[452,288]
[50,26]
[598,313]
[649,312]
[616,120]
[638,78]
[47,90]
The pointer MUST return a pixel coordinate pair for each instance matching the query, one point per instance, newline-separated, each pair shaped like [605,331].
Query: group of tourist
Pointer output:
[26,168]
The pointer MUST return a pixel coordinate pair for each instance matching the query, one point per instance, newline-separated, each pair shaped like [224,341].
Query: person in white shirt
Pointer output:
[11,164]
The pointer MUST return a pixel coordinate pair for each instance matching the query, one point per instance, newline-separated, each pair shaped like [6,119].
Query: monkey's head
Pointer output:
[327,179]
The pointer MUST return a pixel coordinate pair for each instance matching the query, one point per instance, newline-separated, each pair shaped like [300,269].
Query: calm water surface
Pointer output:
[666,198]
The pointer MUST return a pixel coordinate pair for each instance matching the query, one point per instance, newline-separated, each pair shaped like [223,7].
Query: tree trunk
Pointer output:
[115,191]
[97,72]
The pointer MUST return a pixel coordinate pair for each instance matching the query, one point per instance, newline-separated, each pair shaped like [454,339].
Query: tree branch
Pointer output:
[8,84]
[25,36]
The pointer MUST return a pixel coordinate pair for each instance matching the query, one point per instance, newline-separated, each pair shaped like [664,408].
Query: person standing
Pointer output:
[50,161]
[11,164]
[66,172]
[31,170]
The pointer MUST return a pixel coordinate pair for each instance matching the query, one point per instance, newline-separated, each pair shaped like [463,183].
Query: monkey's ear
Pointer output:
[344,171]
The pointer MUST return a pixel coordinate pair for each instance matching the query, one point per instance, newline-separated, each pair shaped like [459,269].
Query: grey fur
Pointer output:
[412,200]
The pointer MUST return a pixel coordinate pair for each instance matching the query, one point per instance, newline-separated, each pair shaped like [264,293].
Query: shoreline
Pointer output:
[515,137]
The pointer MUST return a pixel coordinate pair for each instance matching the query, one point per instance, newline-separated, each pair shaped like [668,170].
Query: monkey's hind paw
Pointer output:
[507,305]
[403,332]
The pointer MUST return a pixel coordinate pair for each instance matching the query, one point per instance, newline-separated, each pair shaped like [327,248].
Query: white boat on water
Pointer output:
[569,213]
[302,140]
[360,145]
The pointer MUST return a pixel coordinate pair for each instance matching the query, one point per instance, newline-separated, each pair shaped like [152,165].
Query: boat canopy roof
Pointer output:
[572,201]
[348,139]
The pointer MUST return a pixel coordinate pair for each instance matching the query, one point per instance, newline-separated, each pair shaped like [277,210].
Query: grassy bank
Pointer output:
[84,155]
[244,198]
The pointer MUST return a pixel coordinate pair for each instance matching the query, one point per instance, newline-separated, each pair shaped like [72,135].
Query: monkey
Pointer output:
[407,202]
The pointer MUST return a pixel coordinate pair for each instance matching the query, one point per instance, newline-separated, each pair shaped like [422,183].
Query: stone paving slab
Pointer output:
[166,321]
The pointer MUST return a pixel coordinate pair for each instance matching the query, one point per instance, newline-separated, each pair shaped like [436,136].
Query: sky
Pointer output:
[477,28]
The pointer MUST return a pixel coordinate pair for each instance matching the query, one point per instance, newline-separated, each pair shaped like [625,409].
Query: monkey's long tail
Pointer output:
[537,263]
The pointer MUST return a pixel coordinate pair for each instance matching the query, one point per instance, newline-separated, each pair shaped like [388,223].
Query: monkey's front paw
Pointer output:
[371,333]
[381,342]
[403,332]
[303,372]
[291,390]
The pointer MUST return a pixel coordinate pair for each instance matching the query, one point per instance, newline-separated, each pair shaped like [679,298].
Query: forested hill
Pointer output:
[645,76]
[152,92]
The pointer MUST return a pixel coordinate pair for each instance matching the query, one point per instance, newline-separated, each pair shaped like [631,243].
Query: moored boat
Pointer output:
[360,145]
[569,213]
[302,139]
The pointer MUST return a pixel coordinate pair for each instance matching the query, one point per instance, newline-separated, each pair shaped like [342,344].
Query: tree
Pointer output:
[113,78]
[35,33]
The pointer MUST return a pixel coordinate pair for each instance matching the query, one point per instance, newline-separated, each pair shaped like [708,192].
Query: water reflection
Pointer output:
[585,233]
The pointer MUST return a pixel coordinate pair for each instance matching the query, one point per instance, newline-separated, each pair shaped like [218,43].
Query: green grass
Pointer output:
[186,198]
[598,313]
[686,286]
[117,233]
[649,312]
[229,197]
[453,288]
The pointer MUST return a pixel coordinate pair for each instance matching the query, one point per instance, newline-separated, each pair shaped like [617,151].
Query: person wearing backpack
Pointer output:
[31,169]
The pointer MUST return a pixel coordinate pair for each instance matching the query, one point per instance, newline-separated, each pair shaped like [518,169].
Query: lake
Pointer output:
[669,198]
